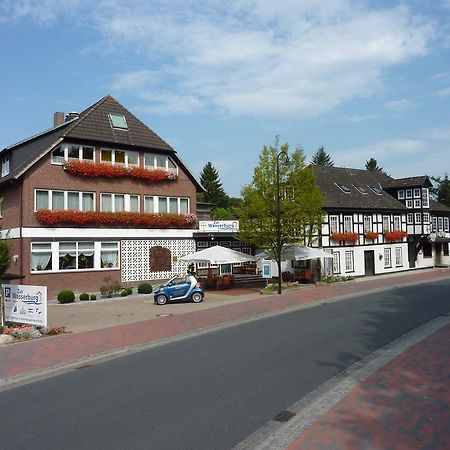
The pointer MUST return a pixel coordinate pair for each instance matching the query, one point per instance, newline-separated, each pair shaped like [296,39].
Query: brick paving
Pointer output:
[26,357]
[405,405]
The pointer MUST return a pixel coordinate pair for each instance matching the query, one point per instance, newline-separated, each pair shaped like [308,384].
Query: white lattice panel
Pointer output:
[135,258]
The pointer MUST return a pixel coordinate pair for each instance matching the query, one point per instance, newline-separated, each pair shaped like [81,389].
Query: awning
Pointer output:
[217,255]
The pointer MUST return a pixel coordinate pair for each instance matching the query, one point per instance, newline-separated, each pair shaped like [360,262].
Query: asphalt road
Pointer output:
[210,391]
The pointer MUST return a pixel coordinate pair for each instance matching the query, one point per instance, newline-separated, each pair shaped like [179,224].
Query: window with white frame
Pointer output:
[41,256]
[417,203]
[446,224]
[76,255]
[64,200]
[376,190]
[401,194]
[410,218]
[348,224]
[125,158]
[397,223]
[343,188]
[149,204]
[418,217]
[408,193]
[118,121]
[367,224]
[416,192]
[109,255]
[440,224]
[434,223]
[349,261]
[386,223]
[409,203]
[426,217]
[119,202]
[72,152]
[156,161]
[334,225]
[336,262]
[425,198]
[5,166]
[387,258]
[360,189]
[175,205]
[398,257]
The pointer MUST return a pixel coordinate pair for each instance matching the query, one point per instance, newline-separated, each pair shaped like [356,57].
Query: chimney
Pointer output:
[71,115]
[58,119]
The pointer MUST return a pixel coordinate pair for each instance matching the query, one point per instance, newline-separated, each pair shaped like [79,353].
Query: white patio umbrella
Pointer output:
[297,252]
[217,255]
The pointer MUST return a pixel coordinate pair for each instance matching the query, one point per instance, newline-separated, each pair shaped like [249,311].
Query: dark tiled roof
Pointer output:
[94,125]
[438,207]
[409,182]
[334,197]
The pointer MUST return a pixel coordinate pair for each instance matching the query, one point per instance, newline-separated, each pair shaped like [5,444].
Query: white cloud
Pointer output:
[250,57]
[400,105]
[443,92]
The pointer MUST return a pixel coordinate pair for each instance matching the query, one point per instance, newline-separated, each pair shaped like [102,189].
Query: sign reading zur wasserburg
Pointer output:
[218,226]
[25,304]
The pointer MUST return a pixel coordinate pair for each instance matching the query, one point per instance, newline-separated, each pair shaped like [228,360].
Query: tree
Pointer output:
[214,193]
[300,209]
[441,190]
[322,158]
[372,164]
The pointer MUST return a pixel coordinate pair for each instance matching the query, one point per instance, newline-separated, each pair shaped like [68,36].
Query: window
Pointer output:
[408,193]
[397,225]
[349,261]
[435,223]
[5,166]
[445,248]
[119,157]
[376,190]
[398,257]
[387,258]
[76,255]
[386,223]
[72,152]
[440,224]
[58,155]
[119,202]
[106,156]
[41,256]
[417,203]
[154,161]
[348,227]
[425,198]
[360,189]
[118,121]
[41,200]
[148,205]
[133,158]
[410,218]
[174,205]
[333,224]
[427,250]
[343,188]
[134,203]
[87,201]
[336,262]
[426,217]
[418,217]
[184,206]
[57,199]
[417,193]
[446,224]
[64,200]
[401,194]
[162,204]
[367,224]
[109,255]
[409,203]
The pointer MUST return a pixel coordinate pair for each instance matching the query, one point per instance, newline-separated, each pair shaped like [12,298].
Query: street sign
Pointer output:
[25,304]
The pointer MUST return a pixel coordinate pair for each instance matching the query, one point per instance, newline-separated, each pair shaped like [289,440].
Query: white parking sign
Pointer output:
[25,304]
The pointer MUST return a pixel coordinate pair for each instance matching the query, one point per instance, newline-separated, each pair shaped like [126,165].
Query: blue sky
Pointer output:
[218,80]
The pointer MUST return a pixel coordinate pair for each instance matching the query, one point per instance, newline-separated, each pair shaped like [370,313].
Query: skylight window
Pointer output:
[118,121]
[343,188]
[376,190]
[360,189]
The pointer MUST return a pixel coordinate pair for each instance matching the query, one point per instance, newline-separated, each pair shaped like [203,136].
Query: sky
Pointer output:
[219,79]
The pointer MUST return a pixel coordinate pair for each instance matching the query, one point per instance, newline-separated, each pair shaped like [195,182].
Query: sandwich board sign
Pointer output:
[25,304]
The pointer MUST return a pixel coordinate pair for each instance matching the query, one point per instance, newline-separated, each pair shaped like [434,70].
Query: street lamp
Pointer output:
[278,240]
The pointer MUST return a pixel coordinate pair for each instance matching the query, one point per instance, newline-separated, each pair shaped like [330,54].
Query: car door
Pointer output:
[178,289]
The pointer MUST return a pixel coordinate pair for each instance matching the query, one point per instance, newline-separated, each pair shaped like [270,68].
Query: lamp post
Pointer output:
[278,240]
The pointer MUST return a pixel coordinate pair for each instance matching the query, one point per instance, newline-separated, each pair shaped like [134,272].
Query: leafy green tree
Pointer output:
[214,193]
[322,158]
[300,207]
[441,190]
[372,164]
[222,214]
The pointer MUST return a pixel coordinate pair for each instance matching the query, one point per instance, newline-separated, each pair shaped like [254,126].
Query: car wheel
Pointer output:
[197,297]
[161,299]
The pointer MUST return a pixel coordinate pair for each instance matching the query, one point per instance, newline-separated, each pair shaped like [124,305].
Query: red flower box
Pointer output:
[372,235]
[88,169]
[396,235]
[139,220]
[345,236]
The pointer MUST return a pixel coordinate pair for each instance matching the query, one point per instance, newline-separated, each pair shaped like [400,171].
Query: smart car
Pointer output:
[178,289]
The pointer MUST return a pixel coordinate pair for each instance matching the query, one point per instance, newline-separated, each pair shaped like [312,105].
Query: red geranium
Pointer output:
[372,235]
[396,235]
[345,236]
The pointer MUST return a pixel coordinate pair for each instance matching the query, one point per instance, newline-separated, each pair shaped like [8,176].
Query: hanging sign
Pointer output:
[218,226]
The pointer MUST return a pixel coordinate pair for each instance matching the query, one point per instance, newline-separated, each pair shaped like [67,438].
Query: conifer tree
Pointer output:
[322,158]
[372,164]
[214,192]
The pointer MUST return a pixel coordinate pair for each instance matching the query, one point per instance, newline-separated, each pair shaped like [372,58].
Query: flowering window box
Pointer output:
[372,235]
[129,219]
[392,236]
[345,236]
[89,169]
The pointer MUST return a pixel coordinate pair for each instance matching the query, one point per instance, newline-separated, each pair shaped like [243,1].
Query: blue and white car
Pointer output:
[179,289]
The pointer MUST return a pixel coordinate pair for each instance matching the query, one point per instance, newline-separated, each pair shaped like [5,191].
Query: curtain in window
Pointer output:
[106,156]
[41,261]
[57,200]
[173,204]
[149,160]
[161,161]
[73,200]
[106,202]
[184,206]
[88,202]
[162,204]
[133,158]
[119,203]
[134,203]
[109,255]
[41,199]
[148,205]
[67,255]
[85,255]
[119,157]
